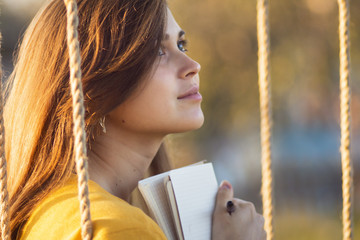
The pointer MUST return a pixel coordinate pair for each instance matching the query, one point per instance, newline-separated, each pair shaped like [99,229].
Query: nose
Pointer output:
[189,68]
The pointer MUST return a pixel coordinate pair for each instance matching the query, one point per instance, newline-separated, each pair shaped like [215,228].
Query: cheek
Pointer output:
[150,105]
[155,107]
[161,91]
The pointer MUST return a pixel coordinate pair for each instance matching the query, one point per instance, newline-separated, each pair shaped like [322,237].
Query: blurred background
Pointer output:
[305,98]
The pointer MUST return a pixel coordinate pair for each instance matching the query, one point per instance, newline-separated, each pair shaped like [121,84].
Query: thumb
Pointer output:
[224,194]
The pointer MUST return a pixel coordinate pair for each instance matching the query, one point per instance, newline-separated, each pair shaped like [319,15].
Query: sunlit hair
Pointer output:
[119,46]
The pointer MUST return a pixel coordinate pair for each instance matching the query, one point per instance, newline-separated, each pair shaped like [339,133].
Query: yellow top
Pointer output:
[58,217]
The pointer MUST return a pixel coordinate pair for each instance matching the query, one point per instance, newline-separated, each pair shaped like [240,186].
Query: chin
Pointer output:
[187,125]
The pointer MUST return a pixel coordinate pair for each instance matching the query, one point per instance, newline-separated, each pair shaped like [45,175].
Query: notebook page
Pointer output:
[195,191]
[153,191]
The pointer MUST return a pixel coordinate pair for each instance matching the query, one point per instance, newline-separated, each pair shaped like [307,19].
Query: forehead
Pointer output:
[172,27]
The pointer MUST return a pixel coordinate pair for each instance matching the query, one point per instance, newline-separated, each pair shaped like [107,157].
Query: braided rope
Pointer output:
[78,118]
[265,105]
[4,196]
[347,181]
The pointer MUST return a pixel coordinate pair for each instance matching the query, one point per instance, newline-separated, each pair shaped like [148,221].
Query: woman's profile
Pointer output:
[139,86]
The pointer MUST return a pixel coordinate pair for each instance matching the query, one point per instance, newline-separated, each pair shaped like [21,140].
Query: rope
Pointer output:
[4,196]
[78,118]
[347,181]
[265,105]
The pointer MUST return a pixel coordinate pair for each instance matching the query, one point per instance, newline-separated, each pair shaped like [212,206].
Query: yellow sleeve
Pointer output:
[133,234]
[58,217]
[132,224]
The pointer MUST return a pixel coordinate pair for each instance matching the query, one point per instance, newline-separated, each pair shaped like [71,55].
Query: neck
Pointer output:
[120,158]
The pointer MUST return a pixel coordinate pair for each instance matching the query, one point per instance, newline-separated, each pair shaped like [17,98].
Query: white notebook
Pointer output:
[186,196]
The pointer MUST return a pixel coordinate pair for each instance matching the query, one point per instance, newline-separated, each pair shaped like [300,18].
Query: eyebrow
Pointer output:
[181,33]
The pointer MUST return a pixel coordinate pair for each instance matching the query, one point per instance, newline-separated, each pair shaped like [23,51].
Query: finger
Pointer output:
[260,219]
[242,204]
[225,193]
[246,210]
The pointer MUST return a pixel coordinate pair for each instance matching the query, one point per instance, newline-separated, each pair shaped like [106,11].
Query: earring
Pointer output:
[102,124]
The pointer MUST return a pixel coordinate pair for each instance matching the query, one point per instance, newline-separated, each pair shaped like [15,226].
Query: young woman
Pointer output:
[139,86]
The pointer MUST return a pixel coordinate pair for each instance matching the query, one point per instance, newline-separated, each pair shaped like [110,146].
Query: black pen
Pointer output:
[230,207]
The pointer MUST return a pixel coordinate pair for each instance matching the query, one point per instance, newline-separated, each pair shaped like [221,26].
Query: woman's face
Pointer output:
[169,101]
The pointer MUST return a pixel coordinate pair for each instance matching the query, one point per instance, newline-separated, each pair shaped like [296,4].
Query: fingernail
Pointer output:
[225,185]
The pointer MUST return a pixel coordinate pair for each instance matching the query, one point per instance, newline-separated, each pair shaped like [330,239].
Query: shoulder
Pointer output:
[58,217]
[113,217]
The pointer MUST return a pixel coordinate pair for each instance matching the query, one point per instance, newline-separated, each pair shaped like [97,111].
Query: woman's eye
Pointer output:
[161,52]
[182,45]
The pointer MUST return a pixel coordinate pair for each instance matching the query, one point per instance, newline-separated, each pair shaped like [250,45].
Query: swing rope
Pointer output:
[346,164]
[4,196]
[78,118]
[265,105]
[265,111]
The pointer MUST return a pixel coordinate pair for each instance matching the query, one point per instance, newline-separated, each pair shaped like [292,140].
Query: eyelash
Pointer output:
[181,44]
[161,51]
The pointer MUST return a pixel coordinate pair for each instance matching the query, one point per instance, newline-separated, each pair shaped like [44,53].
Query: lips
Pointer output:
[191,93]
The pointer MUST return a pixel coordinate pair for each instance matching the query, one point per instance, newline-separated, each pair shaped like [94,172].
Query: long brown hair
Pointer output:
[119,44]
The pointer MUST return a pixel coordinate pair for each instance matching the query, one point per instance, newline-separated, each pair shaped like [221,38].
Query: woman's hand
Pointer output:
[242,223]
